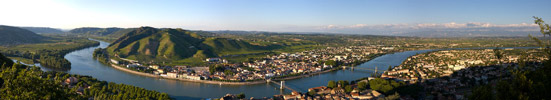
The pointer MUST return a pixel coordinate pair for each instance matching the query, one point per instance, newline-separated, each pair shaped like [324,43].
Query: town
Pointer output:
[446,62]
[450,74]
[279,66]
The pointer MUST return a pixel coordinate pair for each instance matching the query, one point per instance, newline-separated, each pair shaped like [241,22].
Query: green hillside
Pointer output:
[104,34]
[13,35]
[176,45]
[148,43]
[226,46]
[120,32]
[94,31]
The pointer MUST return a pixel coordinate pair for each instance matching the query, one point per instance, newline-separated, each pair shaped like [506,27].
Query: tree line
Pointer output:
[51,58]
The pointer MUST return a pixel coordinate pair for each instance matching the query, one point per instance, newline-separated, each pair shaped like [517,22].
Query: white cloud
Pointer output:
[428,26]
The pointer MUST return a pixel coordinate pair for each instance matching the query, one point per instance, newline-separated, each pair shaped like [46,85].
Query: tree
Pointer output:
[331,62]
[241,96]
[498,54]
[343,83]
[394,96]
[28,85]
[348,89]
[228,72]
[385,86]
[545,30]
[362,85]
[482,93]
[312,93]
[212,69]
[5,61]
[331,84]
[528,81]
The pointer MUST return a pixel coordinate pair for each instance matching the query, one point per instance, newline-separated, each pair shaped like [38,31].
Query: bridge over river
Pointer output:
[281,84]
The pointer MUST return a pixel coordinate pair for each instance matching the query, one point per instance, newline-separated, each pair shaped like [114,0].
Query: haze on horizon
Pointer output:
[334,16]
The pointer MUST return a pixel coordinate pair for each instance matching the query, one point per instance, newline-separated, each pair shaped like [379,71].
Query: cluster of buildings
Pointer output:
[444,63]
[449,74]
[71,82]
[458,84]
[311,61]
[280,65]
[325,93]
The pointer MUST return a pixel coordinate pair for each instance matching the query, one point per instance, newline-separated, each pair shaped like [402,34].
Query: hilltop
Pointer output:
[152,44]
[13,35]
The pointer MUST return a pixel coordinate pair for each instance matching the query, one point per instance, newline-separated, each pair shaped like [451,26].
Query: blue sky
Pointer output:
[266,15]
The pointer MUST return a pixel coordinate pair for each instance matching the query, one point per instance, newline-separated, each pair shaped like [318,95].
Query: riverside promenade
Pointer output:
[215,82]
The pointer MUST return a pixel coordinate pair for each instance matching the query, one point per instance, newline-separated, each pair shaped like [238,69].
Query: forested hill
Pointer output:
[43,30]
[155,43]
[227,46]
[113,31]
[14,35]
[146,43]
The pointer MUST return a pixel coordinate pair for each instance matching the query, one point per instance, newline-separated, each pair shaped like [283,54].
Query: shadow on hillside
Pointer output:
[456,85]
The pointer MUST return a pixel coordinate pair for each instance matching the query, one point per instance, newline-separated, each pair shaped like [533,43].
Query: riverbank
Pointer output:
[218,82]
[134,72]
[187,80]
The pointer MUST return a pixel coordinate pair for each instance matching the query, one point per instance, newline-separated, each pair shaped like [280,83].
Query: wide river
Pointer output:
[83,64]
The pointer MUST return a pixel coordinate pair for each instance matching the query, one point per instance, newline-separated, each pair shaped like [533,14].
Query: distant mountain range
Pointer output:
[472,29]
[147,43]
[113,31]
[43,30]
[391,30]
[10,35]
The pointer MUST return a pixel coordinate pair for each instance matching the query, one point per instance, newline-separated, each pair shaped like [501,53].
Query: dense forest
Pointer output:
[53,59]
[22,82]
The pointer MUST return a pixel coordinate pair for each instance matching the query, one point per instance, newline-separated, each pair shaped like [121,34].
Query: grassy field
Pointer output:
[299,48]
[58,43]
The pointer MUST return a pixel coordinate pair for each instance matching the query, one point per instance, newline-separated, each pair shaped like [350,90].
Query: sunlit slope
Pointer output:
[151,44]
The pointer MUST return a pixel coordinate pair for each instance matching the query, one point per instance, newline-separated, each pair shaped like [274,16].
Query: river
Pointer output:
[82,63]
